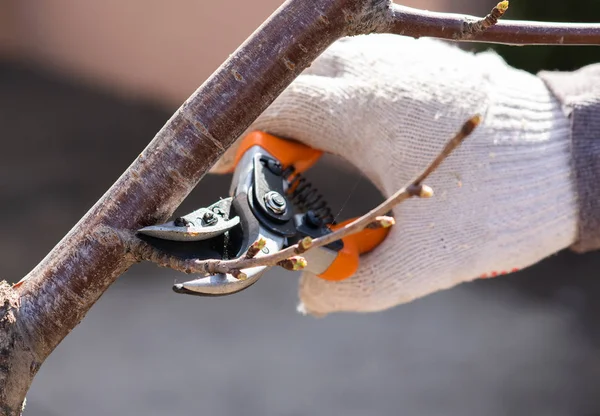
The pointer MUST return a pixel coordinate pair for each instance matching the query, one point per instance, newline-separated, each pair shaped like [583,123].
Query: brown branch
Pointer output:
[421,23]
[285,257]
[38,312]
[57,294]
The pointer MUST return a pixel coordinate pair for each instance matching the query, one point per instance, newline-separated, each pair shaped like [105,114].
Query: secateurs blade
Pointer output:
[269,199]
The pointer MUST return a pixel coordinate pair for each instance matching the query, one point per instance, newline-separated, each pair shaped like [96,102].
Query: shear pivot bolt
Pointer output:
[275,202]
[275,167]
[182,222]
[218,211]
[209,218]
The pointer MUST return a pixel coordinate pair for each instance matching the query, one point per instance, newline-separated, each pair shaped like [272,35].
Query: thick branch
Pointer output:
[421,23]
[57,294]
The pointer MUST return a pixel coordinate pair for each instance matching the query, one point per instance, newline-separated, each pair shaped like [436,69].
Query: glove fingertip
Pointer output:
[303,310]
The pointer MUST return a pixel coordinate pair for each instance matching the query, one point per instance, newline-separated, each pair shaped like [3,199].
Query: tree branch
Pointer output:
[421,23]
[38,312]
[56,295]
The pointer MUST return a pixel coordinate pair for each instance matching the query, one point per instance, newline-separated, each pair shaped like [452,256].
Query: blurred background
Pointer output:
[85,85]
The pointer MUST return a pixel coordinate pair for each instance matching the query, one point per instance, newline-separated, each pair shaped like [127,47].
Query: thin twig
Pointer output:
[288,257]
[422,23]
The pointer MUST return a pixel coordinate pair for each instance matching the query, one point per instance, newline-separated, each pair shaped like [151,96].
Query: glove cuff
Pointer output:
[579,93]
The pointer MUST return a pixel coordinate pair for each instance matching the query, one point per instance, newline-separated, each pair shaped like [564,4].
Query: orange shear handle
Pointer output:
[288,152]
[347,261]
[302,157]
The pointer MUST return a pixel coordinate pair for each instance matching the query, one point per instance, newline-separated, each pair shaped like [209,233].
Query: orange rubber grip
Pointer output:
[302,157]
[347,261]
[288,152]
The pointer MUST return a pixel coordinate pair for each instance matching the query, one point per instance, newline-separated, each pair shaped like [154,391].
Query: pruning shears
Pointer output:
[269,199]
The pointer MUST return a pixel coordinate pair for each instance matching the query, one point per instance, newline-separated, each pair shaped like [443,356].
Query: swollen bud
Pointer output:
[502,6]
[382,222]
[304,244]
[256,247]
[426,192]
[238,274]
[294,263]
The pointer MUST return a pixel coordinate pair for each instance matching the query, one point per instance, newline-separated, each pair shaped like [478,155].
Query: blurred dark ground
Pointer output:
[522,344]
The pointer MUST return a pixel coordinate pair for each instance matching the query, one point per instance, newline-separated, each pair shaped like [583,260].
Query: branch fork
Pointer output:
[57,294]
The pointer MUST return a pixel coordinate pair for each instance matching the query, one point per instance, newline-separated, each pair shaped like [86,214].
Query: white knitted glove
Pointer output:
[503,201]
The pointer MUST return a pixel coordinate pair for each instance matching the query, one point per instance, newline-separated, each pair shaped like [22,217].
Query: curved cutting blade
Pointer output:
[219,284]
[202,224]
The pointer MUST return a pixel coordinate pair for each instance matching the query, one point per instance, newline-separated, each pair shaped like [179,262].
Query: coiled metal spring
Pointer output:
[306,197]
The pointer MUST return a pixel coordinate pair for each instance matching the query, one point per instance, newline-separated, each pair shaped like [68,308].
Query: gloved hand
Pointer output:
[503,201]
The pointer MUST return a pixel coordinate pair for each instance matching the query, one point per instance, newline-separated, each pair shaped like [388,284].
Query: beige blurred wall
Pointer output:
[7,27]
[157,49]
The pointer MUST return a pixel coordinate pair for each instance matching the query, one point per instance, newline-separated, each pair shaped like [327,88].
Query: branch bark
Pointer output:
[56,295]
[38,312]
[421,23]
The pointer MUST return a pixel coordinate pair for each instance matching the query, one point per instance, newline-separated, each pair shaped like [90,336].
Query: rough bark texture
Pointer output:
[18,363]
[38,312]
[42,309]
